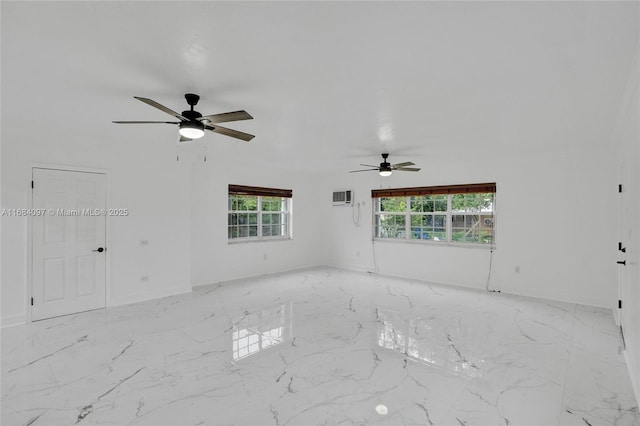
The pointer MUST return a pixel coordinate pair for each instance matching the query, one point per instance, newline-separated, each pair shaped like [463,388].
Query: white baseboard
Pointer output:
[14,320]
[145,297]
[633,375]
[264,275]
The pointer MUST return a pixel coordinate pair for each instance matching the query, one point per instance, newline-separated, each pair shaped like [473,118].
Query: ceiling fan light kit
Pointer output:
[192,124]
[191,130]
[386,169]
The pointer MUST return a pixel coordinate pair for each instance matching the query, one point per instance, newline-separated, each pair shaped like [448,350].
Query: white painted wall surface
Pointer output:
[144,178]
[214,259]
[552,221]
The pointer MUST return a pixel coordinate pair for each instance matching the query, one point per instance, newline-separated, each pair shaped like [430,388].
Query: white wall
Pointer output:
[144,177]
[214,259]
[553,221]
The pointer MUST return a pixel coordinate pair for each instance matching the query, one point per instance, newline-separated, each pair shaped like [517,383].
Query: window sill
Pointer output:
[257,240]
[437,243]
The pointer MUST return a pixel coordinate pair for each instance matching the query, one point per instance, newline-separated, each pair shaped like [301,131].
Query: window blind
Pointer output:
[434,190]
[257,190]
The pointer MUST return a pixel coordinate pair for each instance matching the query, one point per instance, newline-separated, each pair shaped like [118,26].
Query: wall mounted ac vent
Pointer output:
[342,198]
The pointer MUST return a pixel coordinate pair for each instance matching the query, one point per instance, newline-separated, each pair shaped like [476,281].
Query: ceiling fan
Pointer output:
[386,169]
[192,124]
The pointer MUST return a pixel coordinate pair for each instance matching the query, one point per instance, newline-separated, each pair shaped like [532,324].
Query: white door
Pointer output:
[69,253]
[629,268]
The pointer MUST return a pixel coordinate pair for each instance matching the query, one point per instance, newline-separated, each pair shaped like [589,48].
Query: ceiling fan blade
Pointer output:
[407,169]
[183,139]
[146,122]
[408,163]
[229,132]
[365,170]
[226,117]
[162,108]
[369,165]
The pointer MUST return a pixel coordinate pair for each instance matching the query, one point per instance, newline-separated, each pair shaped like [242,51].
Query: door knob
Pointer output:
[99,249]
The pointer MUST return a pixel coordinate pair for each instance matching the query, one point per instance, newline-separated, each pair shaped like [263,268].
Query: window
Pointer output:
[259,213]
[452,214]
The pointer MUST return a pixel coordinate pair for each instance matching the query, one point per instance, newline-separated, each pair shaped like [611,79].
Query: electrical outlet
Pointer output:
[144,278]
[144,242]
[517,270]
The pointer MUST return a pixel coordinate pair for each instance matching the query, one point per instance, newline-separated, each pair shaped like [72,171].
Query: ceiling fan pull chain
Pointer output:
[204,141]
[177,152]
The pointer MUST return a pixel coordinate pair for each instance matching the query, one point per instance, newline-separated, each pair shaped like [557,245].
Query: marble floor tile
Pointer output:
[321,347]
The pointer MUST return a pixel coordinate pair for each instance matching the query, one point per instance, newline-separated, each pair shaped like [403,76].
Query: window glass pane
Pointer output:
[420,233]
[419,204]
[428,227]
[249,213]
[466,228]
[245,203]
[390,226]
[270,204]
[392,204]
[471,217]
[472,202]
[419,220]
[440,203]
[428,203]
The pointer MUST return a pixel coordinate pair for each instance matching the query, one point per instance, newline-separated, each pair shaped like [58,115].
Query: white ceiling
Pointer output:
[330,84]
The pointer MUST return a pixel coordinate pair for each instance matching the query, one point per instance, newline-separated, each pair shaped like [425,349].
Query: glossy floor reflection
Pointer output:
[321,346]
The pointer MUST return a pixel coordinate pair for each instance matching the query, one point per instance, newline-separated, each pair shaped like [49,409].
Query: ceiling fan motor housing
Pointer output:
[192,99]
[191,115]
[385,166]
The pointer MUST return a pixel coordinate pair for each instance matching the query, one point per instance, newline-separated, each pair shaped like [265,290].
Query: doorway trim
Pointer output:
[29,245]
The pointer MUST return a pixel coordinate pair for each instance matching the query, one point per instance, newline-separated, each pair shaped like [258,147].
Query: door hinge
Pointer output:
[32,185]
[32,301]
[620,188]
[619,304]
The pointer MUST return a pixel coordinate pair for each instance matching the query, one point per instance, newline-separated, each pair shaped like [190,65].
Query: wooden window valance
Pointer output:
[257,190]
[434,190]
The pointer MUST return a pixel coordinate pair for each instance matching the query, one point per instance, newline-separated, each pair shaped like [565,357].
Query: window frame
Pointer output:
[450,191]
[285,196]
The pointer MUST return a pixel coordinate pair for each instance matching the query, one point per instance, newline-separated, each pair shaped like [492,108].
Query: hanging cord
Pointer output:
[375,261]
[355,214]
[376,270]
[492,247]
[204,141]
